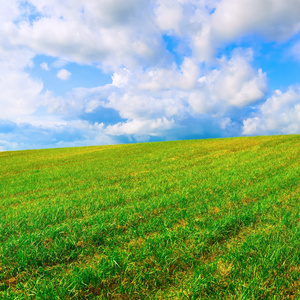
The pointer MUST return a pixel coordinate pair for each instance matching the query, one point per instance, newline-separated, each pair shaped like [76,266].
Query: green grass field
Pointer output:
[201,219]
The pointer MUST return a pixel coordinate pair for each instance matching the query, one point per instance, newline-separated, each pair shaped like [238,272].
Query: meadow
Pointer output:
[199,219]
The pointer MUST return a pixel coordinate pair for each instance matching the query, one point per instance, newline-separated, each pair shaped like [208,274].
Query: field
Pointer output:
[201,219]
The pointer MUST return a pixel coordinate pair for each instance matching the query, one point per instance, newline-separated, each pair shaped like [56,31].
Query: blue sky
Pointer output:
[96,72]
[87,76]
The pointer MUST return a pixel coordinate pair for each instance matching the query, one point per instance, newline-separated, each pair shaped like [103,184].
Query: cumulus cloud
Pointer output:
[234,83]
[9,10]
[189,89]
[91,31]
[141,128]
[44,66]
[70,134]
[280,114]
[157,90]
[63,74]
[20,94]
[155,101]
[275,20]
[106,31]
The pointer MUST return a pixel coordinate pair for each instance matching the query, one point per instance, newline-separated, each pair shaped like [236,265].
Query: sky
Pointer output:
[98,72]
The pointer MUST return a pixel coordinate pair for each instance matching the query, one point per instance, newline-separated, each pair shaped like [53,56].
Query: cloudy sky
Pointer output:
[94,72]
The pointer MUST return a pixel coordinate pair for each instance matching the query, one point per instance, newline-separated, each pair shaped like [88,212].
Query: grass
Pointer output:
[202,219]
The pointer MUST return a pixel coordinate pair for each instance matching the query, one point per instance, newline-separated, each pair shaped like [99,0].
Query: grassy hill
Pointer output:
[202,219]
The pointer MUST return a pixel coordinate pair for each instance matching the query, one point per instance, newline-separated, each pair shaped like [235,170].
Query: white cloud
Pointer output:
[112,33]
[44,66]
[120,78]
[71,134]
[117,33]
[157,93]
[211,24]
[169,15]
[63,74]
[9,10]
[280,114]
[275,20]
[20,94]
[141,127]
[154,92]
[233,84]
[157,100]
[59,63]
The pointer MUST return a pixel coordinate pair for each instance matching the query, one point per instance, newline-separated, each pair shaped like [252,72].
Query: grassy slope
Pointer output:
[188,219]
